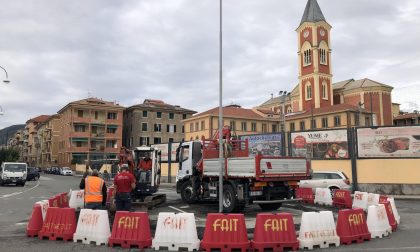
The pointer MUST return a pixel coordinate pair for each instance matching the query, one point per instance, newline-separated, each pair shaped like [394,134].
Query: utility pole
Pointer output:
[221,163]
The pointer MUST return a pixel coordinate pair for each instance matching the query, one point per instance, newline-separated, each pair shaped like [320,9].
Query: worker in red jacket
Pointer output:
[124,183]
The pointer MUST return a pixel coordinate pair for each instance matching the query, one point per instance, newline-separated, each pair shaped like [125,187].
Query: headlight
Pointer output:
[4,176]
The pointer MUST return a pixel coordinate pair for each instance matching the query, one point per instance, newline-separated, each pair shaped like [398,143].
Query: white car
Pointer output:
[327,179]
[66,171]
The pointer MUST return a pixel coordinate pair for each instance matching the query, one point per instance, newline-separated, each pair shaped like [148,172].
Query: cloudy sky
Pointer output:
[56,52]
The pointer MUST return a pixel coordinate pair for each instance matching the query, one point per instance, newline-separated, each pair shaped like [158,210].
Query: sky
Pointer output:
[56,52]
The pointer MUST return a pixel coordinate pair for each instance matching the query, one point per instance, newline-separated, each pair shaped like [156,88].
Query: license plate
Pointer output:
[14,181]
[256,193]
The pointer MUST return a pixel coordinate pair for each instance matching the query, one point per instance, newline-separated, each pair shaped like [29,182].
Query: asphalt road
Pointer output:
[16,207]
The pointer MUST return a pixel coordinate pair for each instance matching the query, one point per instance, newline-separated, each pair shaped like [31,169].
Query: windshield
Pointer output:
[66,169]
[15,167]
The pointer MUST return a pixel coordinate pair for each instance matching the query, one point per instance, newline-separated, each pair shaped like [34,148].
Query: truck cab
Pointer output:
[13,173]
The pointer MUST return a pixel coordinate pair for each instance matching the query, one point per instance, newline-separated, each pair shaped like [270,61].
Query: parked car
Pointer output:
[33,174]
[47,170]
[55,170]
[66,171]
[327,179]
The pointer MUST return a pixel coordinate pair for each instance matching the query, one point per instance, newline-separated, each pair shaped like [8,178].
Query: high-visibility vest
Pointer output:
[93,189]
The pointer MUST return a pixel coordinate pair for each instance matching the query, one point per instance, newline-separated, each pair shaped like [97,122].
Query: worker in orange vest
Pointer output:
[95,191]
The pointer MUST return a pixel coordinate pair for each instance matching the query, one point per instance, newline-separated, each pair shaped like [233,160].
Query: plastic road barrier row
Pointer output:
[342,199]
[60,223]
[92,227]
[305,194]
[54,201]
[377,221]
[175,231]
[44,206]
[352,226]
[317,229]
[77,199]
[323,196]
[360,200]
[64,199]
[131,229]
[225,232]
[35,222]
[275,232]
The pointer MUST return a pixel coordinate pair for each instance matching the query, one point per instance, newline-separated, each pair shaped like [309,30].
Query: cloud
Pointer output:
[58,52]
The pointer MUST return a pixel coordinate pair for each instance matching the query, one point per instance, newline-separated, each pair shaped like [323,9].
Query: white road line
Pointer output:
[391,249]
[17,193]
[21,223]
[179,210]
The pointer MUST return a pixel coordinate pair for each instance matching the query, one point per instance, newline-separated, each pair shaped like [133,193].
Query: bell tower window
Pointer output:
[323,56]
[307,57]
[324,91]
[308,91]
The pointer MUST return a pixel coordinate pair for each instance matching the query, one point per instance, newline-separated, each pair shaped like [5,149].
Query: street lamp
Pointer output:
[7,81]
[1,110]
[282,98]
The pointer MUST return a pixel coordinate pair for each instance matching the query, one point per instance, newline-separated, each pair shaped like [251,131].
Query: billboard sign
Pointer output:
[164,149]
[389,142]
[326,144]
[265,144]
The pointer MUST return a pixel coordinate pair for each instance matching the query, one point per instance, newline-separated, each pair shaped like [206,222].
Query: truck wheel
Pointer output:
[230,202]
[187,193]
[1,182]
[271,206]
[36,178]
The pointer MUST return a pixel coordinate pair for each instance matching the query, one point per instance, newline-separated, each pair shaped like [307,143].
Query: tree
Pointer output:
[9,155]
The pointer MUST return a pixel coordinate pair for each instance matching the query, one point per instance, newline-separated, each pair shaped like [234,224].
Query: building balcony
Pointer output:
[80,134]
[98,135]
[114,150]
[112,135]
[113,121]
[76,119]
[79,149]
[98,121]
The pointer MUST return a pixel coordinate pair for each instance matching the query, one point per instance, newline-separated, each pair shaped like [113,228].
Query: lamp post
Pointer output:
[282,98]
[6,81]
[221,163]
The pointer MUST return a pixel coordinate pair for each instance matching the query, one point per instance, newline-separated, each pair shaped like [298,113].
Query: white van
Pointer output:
[13,173]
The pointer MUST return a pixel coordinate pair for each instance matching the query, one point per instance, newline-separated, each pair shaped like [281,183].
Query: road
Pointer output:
[16,207]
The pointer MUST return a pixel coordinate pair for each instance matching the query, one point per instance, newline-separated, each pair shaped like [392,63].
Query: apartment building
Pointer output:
[30,143]
[154,122]
[89,129]
[46,142]
[242,121]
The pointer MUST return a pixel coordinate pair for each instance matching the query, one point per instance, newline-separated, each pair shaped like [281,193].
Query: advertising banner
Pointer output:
[164,149]
[389,142]
[327,144]
[265,144]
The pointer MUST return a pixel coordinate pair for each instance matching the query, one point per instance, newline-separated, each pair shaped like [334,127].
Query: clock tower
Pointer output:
[315,76]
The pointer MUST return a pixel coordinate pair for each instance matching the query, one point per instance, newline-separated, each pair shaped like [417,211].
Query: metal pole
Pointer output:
[169,162]
[220,114]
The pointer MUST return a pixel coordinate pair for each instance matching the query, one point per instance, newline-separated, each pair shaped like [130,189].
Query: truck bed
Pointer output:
[260,167]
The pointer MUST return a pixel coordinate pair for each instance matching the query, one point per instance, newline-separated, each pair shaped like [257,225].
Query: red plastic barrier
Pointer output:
[109,194]
[35,223]
[305,194]
[54,201]
[225,232]
[352,226]
[382,199]
[64,199]
[60,223]
[131,229]
[274,231]
[342,199]
[390,214]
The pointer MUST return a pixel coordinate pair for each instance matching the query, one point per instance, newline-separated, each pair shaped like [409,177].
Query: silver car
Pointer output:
[66,171]
[327,179]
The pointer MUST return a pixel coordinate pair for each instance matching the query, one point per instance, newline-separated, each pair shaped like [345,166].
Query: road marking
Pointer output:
[177,209]
[16,193]
[21,223]
[391,249]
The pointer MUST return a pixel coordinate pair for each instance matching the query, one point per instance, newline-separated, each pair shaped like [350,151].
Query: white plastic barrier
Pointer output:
[377,221]
[77,199]
[317,229]
[323,196]
[175,231]
[373,199]
[44,206]
[93,226]
[360,200]
[394,210]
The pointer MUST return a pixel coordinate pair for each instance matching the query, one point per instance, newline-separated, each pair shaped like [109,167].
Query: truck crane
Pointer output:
[264,180]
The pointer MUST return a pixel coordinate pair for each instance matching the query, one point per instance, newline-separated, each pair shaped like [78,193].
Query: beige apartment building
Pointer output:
[30,144]
[241,121]
[154,122]
[46,140]
[89,129]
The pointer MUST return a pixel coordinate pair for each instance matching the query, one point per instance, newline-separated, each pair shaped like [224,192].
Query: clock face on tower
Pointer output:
[322,32]
[306,34]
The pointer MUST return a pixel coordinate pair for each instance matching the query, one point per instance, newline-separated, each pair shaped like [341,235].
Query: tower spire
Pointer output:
[312,12]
